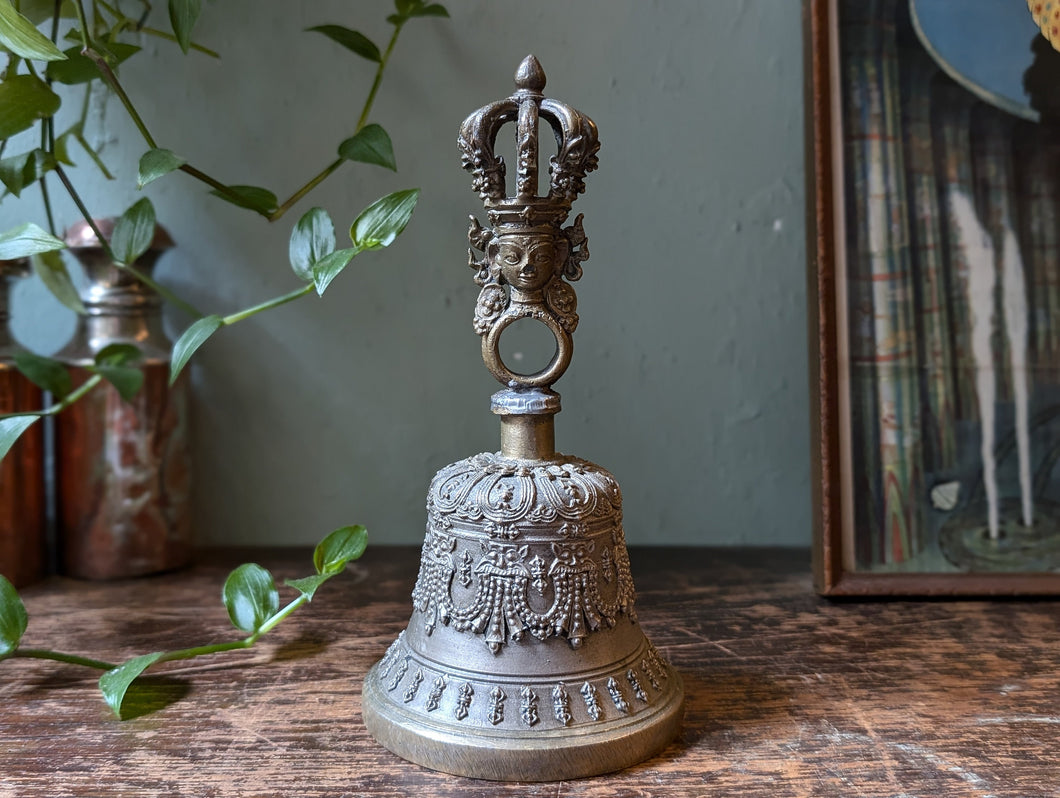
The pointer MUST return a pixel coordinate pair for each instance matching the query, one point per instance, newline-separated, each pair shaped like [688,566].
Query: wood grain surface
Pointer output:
[789,694]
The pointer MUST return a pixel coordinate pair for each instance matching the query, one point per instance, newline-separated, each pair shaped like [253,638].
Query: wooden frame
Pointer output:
[835,570]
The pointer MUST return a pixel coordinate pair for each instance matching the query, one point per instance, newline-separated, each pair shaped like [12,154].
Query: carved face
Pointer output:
[527,262]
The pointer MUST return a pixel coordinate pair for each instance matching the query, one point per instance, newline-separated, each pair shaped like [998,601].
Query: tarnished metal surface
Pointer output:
[523,659]
[23,512]
[123,469]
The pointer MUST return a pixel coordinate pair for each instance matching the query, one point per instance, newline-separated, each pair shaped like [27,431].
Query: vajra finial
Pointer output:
[528,257]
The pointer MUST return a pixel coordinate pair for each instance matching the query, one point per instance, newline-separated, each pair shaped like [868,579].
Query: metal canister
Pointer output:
[123,471]
[23,504]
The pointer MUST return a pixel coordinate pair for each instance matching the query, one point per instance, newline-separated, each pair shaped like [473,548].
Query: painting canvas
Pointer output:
[935,259]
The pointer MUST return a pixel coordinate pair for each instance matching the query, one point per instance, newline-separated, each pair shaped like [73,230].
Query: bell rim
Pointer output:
[575,752]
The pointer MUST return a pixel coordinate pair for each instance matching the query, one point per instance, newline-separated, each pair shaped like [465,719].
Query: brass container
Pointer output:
[23,499]
[123,469]
[523,659]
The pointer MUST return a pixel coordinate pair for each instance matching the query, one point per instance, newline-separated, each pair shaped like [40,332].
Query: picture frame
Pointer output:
[933,202]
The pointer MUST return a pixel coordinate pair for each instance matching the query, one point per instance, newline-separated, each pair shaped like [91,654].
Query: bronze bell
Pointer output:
[523,659]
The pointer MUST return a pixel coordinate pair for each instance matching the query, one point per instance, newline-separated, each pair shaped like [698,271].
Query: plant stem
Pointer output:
[378,78]
[61,174]
[361,122]
[275,620]
[247,642]
[58,656]
[82,20]
[161,34]
[268,304]
[47,143]
[218,186]
[162,291]
[199,651]
[64,403]
[313,183]
[115,86]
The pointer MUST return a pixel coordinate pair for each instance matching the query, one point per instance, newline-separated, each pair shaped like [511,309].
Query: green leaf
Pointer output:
[79,68]
[11,427]
[406,7]
[133,232]
[253,197]
[308,585]
[112,365]
[344,544]
[382,221]
[19,171]
[327,269]
[25,240]
[23,100]
[12,618]
[156,163]
[51,375]
[21,37]
[183,14]
[118,355]
[432,10]
[62,148]
[51,269]
[125,379]
[250,595]
[39,11]
[312,238]
[370,144]
[115,683]
[351,40]
[190,341]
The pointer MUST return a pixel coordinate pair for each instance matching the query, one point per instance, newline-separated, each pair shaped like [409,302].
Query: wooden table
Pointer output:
[788,694]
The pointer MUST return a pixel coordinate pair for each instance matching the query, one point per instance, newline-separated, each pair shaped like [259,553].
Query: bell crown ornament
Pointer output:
[524,658]
[528,259]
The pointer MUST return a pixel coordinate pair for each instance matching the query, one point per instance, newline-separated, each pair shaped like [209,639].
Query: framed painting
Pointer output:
[933,131]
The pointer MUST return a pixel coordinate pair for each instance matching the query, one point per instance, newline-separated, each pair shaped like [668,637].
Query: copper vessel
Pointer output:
[123,469]
[524,659]
[23,499]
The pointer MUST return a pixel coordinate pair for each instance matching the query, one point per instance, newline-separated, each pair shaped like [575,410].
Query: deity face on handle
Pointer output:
[527,261]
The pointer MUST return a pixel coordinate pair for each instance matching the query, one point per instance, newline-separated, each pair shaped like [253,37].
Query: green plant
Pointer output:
[250,596]
[101,29]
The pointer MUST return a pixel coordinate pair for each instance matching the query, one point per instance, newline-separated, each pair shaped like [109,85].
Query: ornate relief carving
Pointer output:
[615,692]
[495,714]
[528,706]
[592,701]
[561,705]
[489,487]
[414,686]
[411,672]
[649,670]
[500,499]
[634,682]
[399,674]
[434,698]
[500,609]
[607,565]
[463,700]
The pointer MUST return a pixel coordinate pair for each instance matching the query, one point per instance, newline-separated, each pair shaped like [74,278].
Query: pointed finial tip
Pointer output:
[530,75]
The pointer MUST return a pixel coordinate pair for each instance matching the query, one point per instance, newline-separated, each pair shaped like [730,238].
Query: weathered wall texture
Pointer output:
[689,376]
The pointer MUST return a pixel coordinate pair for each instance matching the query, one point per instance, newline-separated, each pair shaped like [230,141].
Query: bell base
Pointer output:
[549,755]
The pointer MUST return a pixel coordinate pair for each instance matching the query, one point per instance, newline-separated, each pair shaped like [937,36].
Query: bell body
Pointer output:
[123,471]
[23,500]
[523,659]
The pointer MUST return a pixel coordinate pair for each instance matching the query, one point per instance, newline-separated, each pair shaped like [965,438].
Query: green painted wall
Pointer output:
[689,380]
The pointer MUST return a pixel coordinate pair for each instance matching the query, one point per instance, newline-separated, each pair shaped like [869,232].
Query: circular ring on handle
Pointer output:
[548,375]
